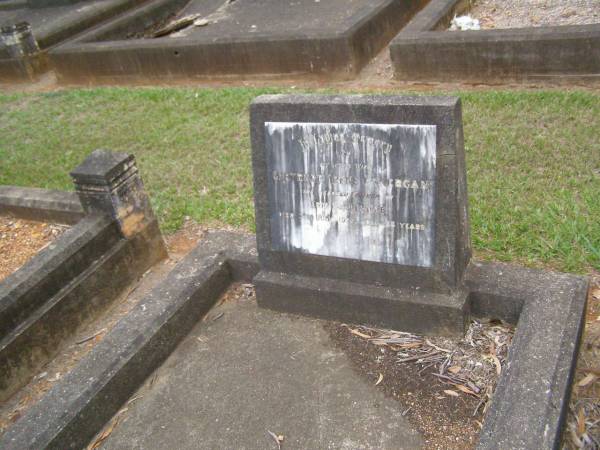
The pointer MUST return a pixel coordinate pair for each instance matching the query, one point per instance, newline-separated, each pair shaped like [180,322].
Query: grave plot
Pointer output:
[30,27]
[162,41]
[362,218]
[519,41]
[64,289]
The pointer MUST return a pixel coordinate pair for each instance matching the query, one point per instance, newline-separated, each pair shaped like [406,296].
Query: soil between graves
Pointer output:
[21,239]
[582,429]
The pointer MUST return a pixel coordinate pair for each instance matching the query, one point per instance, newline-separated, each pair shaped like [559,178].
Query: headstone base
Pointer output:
[413,311]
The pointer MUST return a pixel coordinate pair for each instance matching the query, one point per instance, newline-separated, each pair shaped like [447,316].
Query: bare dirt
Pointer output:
[583,423]
[535,13]
[21,239]
[449,414]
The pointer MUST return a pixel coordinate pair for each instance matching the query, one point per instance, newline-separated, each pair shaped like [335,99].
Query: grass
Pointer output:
[533,160]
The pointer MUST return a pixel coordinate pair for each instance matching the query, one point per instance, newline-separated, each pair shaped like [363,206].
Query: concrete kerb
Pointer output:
[97,56]
[421,53]
[40,204]
[52,32]
[527,410]
[78,275]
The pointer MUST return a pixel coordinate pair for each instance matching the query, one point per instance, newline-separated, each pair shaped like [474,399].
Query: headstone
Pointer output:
[361,209]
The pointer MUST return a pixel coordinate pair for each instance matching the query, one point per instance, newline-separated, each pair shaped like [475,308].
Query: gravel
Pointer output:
[535,13]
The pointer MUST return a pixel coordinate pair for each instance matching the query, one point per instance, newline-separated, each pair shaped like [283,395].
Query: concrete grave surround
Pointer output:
[425,51]
[527,410]
[531,400]
[362,195]
[246,38]
[114,240]
[50,22]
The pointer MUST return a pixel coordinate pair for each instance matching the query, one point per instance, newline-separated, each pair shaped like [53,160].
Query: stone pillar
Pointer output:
[109,182]
[18,40]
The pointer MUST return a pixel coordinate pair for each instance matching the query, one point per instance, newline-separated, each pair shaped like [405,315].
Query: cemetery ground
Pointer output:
[533,160]
[533,163]
[21,239]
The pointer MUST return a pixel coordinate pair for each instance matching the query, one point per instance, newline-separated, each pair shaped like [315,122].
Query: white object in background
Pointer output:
[464,23]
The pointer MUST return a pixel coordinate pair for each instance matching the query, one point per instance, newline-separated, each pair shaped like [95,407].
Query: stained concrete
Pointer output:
[332,38]
[53,23]
[252,370]
[422,51]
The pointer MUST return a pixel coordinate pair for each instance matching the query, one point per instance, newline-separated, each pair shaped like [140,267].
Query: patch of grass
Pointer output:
[533,160]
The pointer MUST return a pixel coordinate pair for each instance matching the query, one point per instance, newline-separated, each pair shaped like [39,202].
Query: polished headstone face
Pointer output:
[352,190]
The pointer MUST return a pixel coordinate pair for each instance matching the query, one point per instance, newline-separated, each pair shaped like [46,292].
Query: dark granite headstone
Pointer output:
[361,209]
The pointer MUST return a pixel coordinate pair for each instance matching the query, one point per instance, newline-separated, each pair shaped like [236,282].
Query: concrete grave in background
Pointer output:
[425,51]
[31,27]
[361,209]
[333,38]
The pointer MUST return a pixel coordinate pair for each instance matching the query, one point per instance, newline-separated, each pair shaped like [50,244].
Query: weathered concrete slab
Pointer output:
[425,51]
[254,370]
[332,38]
[40,204]
[54,23]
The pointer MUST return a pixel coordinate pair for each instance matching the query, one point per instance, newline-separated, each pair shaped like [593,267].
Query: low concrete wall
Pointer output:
[487,56]
[78,275]
[40,204]
[53,32]
[339,53]
[52,268]
[39,334]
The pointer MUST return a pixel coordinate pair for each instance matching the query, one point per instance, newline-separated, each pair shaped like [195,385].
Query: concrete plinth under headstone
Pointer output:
[361,209]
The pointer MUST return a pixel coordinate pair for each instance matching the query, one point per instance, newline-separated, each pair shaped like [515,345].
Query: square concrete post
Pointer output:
[110,182]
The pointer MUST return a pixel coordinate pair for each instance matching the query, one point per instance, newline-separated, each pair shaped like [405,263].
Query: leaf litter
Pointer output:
[469,366]
[443,385]
[582,430]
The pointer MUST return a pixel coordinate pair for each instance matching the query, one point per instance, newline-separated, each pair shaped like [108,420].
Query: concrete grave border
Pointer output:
[420,52]
[527,411]
[30,67]
[339,53]
[41,204]
[82,271]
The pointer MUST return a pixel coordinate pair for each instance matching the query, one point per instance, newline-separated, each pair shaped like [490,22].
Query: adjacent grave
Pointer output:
[29,27]
[424,51]
[333,38]
[361,209]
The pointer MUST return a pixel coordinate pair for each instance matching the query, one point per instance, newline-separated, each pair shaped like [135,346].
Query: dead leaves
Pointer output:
[587,380]
[278,438]
[359,334]
[108,429]
[470,366]
[451,393]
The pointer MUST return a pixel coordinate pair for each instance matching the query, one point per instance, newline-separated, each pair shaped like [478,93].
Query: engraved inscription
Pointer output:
[363,191]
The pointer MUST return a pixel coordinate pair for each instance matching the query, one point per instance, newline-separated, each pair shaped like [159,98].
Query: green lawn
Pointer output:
[533,160]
